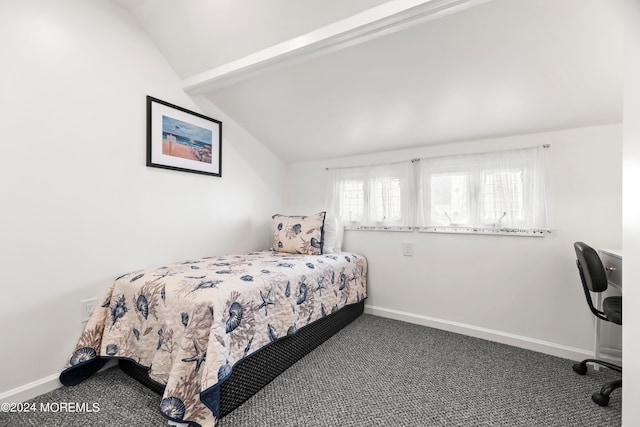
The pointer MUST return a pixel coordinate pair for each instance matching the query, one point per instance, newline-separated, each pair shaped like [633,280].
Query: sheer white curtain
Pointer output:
[499,191]
[380,196]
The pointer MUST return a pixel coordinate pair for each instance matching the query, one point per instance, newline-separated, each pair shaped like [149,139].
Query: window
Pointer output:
[372,197]
[496,185]
[386,200]
[499,192]
[351,200]
[452,194]
[449,198]
[487,192]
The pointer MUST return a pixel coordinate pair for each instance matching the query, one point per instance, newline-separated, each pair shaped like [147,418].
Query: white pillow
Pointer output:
[333,233]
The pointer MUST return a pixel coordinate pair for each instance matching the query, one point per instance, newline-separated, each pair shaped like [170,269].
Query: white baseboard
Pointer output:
[528,343]
[39,387]
[31,390]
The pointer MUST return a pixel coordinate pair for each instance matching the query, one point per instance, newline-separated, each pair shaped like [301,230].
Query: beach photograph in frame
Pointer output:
[182,140]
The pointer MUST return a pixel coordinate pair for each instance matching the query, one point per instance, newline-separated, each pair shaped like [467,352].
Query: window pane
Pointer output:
[351,200]
[503,195]
[450,198]
[386,200]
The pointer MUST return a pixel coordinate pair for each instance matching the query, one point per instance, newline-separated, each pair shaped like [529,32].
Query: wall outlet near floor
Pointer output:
[86,308]
[407,248]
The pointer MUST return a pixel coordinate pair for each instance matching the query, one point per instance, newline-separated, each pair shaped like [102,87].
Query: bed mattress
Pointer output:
[191,322]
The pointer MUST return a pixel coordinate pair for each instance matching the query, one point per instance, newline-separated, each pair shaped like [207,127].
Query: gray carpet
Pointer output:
[376,372]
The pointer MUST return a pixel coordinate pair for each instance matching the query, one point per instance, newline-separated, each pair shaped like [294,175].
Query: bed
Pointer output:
[210,332]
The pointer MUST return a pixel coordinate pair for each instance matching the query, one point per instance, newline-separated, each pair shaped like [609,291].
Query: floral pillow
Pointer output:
[298,234]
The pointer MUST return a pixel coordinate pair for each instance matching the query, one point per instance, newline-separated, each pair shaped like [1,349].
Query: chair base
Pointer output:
[601,398]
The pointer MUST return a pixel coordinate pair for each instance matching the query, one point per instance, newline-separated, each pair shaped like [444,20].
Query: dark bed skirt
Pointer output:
[256,371]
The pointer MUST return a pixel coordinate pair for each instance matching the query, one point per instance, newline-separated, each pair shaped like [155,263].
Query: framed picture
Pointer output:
[182,140]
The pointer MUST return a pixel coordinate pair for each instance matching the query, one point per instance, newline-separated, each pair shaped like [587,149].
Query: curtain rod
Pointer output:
[435,157]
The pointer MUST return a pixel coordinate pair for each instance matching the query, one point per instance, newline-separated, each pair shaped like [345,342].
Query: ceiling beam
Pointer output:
[383,19]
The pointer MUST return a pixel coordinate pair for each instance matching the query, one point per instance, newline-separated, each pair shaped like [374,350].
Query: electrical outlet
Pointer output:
[407,248]
[86,308]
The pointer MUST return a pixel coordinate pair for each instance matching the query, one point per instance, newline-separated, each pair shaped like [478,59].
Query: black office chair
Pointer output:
[594,279]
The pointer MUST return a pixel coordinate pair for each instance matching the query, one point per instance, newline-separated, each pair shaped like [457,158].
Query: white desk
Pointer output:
[608,339]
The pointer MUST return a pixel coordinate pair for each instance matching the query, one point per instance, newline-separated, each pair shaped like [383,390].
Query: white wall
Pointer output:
[520,290]
[78,206]
[631,218]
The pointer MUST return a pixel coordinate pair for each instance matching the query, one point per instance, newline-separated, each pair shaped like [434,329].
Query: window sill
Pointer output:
[485,231]
[378,228]
[455,230]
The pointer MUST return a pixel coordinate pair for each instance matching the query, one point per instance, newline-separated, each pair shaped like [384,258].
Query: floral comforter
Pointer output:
[192,321]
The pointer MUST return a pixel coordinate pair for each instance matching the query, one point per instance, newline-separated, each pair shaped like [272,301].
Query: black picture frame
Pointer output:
[182,140]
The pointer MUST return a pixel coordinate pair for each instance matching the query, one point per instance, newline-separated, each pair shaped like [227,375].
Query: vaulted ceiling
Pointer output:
[316,79]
